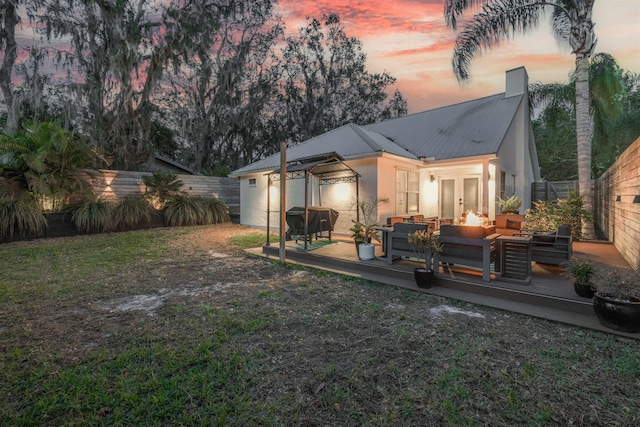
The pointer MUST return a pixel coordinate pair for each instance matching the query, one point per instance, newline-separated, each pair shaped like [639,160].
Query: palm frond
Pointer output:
[496,22]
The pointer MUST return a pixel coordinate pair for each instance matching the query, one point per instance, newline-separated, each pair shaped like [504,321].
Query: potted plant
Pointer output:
[510,205]
[362,235]
[617,298]
[581,272]
[426,243]
[363,232]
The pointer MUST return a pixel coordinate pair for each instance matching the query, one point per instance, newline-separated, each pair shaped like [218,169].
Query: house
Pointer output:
[438,163]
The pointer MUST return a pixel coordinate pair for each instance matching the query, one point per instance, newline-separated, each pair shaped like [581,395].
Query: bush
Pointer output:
[547,215]
[20,215]
[162,186]
[215,211]
[94,216]
[131,212]
[183,210]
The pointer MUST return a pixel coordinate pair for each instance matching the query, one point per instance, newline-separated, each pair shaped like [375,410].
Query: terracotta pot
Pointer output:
[616,314]
[424,278]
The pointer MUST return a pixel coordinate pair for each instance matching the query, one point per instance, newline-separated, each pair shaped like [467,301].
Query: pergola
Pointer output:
[328,168]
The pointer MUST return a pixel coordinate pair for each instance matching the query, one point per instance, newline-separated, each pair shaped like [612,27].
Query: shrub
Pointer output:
[50,161]
[183,210]
[94,216]
[215,211]
[131,212]
[162,186]
[547,215]
[20,215]
[510,205]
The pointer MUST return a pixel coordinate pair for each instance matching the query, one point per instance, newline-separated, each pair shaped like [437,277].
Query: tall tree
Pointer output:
[123,48]
[220,99]
[606,94]
[572,24]
[10,20]
[326,83]
[615,110]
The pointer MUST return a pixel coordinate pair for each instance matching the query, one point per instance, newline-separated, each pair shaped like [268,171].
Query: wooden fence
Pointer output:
[617,204]
[552,190]
[115,185]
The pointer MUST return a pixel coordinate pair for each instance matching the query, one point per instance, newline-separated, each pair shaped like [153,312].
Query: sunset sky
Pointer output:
[409,39]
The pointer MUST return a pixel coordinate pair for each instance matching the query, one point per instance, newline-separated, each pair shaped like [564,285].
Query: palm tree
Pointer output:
[606,91]
[499,19]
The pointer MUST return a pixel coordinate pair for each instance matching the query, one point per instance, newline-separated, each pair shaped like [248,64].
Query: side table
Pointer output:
[514,259]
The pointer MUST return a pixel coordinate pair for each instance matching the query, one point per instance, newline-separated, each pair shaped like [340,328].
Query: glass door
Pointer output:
[459,194]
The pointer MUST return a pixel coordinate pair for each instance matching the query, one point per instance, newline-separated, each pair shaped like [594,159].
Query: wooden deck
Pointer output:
[550,294]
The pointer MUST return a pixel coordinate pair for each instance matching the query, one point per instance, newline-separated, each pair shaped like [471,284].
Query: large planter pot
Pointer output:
[425,278]
[583,289]
[366,251]
[617,314]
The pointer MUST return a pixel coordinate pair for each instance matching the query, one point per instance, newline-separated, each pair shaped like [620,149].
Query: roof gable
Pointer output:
[470,128]
[348,141]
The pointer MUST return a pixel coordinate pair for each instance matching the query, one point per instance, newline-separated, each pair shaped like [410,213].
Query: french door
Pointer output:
[459,194]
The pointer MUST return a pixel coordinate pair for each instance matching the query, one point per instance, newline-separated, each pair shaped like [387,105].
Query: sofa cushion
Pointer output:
[564,230]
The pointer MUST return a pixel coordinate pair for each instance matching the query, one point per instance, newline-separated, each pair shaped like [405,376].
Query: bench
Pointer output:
[550,247]
[468,246]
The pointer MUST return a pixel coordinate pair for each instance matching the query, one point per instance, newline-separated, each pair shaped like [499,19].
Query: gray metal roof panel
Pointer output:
[467,129]
[347,141]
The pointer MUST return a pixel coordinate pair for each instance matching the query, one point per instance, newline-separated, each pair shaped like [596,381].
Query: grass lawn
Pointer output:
[180,327]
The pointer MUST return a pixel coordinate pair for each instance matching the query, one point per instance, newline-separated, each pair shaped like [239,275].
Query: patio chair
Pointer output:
[550,247]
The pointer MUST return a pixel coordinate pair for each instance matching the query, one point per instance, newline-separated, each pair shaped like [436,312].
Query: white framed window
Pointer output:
[407,192]
[252,182]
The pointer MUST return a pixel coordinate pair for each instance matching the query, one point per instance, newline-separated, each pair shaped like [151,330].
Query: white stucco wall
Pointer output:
[514,158]
[341,196]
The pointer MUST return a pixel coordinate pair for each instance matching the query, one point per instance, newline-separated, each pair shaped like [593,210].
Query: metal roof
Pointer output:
[325,167]
[468,129]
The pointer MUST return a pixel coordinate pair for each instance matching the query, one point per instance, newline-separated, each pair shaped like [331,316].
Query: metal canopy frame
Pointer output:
[329,168]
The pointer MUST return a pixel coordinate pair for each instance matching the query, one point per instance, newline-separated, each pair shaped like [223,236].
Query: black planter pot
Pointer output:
[583,290]
[424,278]
[618,315]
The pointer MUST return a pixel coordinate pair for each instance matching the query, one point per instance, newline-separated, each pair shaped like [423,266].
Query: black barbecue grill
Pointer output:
[321,220]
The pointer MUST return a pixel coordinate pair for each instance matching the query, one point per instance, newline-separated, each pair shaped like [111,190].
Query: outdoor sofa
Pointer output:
[396,241]
[468,245]
[550,247]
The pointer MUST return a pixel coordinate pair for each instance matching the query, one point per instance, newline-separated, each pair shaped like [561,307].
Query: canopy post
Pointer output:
[357,199]
[268,208]
[306,207]
[283,199]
